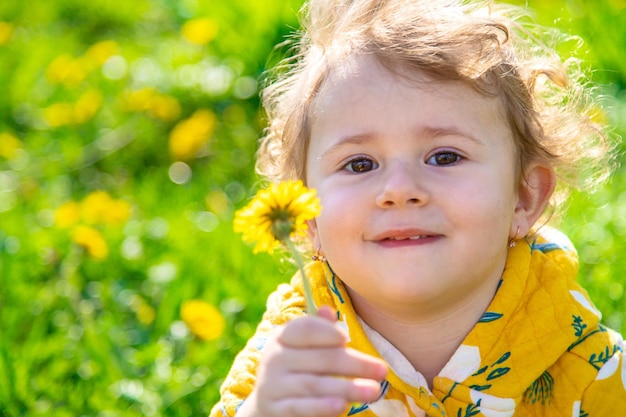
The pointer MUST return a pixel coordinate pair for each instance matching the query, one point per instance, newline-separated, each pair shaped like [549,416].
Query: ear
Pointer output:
[535,190]
[313,233]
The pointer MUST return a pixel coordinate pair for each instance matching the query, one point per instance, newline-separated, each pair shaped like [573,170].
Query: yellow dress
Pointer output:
[539,349]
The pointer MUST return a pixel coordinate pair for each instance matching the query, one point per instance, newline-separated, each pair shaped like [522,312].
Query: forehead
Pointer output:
[348,83]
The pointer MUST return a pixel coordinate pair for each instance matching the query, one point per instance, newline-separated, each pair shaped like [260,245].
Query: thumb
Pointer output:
[327,313]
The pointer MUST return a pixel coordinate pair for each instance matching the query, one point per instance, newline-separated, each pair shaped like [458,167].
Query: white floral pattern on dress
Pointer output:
[464,362]
[584,301]
[609,368]
[389,408]
[414,408]
[492,406]
[622,345]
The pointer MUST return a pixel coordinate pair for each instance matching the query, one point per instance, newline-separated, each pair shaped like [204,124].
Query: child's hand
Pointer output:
[307,371]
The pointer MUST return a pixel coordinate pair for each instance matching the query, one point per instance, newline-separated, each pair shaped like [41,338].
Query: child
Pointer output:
[434,133]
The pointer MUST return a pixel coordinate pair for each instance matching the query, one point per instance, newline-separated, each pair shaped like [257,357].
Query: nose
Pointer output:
[401,185]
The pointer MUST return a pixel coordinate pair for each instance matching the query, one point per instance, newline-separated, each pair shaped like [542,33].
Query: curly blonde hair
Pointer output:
[496,50]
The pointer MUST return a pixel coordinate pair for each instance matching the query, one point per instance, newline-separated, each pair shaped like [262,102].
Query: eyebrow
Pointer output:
[438,131]
[426,131]
[358,139]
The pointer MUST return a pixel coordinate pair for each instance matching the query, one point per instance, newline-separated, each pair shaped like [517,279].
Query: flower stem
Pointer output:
[308,294]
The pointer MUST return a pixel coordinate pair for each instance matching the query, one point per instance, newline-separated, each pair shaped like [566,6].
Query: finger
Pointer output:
[259,404]
[345,362]
[310,407]
[308,385]
[311,331]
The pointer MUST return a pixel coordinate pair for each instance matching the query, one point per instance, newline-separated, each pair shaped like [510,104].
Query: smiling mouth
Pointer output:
[408,238]
[407,241]
[405,236]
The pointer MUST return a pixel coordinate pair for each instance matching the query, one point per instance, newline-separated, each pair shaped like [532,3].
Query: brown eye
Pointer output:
[361,165]
[444,158]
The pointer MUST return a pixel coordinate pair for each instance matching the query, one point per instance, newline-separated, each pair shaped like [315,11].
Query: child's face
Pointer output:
[418,188]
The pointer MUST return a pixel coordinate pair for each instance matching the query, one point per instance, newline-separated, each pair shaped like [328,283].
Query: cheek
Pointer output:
[340,217]
[486,202]
[329,225]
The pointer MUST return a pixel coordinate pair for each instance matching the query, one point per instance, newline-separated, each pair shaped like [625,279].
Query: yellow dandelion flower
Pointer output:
[203,319]
[87,106]
[6,32]
[100,208]
[199,31]
[144,311]
[67,215]
[189,135]
[92,241]
[155,104]
[9,144]
[63,114]
[138,100]
[99,52]
[66,69]
[277,213]
[56,70]
[59,114]
[95,207]
[164,107]
[118,212]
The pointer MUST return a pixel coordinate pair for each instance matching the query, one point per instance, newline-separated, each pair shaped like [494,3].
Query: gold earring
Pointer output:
[318,256]
[513,239]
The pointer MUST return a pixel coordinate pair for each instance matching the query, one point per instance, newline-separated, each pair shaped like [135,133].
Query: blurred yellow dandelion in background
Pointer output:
[6,32]
[67,70]
[87,106]
[59,114]
[67,214]
[98,53]
[119,212]
[200,30]
[97,207]
[92,241]
[164,107]
[190,135]
[94,207]
[71,71]
[9,144]
[100,208]
[144,311]
[138,100]
[64,114]
[203,319]
[150,101]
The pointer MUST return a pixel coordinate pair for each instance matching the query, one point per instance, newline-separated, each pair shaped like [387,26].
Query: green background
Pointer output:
[71,340]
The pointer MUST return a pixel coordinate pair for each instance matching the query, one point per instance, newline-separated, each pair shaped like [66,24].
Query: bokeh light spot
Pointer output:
[180,173]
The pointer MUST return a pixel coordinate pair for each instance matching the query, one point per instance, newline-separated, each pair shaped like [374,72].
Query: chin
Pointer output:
[406,297]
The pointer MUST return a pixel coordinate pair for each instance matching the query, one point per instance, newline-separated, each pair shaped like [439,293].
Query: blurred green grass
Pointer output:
[91,93]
